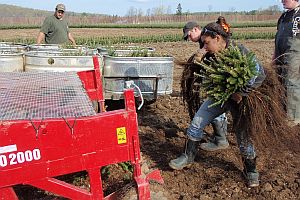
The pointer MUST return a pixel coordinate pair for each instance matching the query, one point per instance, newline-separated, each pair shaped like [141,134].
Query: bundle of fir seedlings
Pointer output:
[261,114]
[226,73]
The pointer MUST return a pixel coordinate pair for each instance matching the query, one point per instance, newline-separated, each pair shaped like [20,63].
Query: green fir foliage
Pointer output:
[226,73]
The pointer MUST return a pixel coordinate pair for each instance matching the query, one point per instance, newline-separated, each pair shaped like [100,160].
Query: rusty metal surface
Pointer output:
[35,95]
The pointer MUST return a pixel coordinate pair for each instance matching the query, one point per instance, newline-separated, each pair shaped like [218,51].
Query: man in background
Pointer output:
[287,56]
[55,29]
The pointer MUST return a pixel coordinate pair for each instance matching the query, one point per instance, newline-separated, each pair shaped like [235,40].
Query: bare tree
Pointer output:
[148,13]
[132,11]
[169,10]
[158,10]
[232,9]
[140,13]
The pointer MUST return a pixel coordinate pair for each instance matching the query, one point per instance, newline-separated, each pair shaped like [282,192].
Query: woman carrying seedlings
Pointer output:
[192,32]
[216,39]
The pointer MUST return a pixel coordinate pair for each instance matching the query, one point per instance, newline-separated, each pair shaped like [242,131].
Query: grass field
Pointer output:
[97,36]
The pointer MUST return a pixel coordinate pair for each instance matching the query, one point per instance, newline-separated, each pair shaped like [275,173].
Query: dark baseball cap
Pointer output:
[187,27]
[61,7]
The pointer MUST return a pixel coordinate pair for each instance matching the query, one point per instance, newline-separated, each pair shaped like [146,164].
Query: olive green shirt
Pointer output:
[55,30]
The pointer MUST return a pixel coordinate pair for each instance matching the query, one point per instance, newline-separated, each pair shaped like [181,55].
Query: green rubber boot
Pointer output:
[187,158]
[250,172]
[219,141]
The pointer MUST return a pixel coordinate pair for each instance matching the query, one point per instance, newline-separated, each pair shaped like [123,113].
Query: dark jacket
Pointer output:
[257,80]
[287,38]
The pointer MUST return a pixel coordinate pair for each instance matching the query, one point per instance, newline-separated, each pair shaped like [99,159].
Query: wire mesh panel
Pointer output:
[36,95]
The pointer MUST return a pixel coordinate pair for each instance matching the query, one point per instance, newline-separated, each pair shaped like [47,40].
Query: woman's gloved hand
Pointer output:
[237,97]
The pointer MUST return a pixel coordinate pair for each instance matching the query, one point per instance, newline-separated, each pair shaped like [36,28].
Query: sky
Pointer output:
[121,7]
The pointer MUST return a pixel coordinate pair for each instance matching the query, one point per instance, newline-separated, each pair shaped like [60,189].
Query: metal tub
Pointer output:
[44,47]
[57,48]
[11,61]
[13,47]
[57,61]
[123,50]
[153,75]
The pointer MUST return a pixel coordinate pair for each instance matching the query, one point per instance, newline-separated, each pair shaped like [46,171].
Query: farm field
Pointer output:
[11,34]
[162,125]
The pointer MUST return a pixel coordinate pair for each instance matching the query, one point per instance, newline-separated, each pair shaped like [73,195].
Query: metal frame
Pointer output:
[64,146]
[154,94]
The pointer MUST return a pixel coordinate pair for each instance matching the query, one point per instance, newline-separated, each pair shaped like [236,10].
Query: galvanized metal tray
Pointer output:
[153,75]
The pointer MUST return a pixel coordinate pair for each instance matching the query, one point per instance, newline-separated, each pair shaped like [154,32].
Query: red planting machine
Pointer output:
[48,128]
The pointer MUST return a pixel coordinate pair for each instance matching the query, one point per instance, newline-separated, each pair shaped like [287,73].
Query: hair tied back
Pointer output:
[222,21]
[226,27]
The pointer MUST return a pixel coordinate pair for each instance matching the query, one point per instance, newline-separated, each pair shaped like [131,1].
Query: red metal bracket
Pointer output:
[8,193]
[155,176]
[99,84]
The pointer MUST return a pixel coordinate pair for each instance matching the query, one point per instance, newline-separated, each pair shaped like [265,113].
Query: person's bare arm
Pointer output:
[71,39]
[40,38]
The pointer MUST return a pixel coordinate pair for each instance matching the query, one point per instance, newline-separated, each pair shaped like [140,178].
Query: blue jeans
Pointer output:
[206,115]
